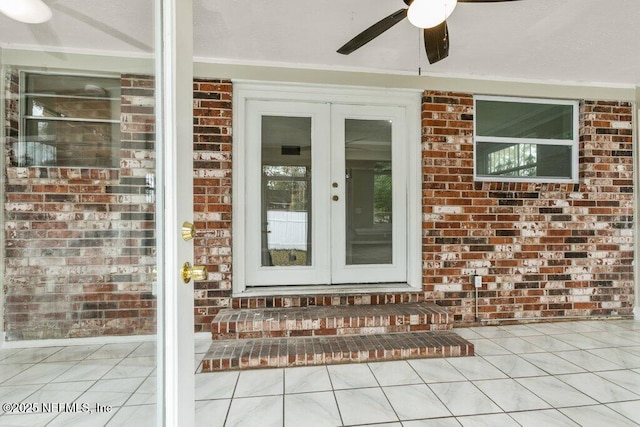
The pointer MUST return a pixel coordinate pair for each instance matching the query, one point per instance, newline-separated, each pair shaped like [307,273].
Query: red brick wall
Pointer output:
[544,249]
[212,196]
[80,243]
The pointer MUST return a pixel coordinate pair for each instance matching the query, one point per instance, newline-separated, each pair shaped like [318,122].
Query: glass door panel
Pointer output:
[87,241]
[286,191]
[86,255]
[369,192]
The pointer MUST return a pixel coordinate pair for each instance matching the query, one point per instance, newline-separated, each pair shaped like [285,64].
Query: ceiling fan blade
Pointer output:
[436,42]
[373,31]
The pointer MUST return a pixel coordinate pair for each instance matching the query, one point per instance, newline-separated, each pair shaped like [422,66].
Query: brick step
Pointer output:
[324,350]
[343,298]
[329,320]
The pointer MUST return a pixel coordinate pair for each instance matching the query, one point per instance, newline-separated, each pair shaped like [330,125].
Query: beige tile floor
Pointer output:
[584,373]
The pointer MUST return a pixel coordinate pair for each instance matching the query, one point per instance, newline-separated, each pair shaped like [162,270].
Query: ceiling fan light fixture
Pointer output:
[26,11]
[430,13]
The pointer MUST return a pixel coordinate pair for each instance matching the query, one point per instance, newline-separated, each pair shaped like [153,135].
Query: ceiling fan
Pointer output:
[430,15]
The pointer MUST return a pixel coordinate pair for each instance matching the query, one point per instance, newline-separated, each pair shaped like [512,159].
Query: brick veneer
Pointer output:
[544,249]
[212,196]
[80,243]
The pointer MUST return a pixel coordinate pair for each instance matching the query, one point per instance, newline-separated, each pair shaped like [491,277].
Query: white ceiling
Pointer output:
[572,41]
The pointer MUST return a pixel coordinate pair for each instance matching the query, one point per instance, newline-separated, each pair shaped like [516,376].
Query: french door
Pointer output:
[325,193]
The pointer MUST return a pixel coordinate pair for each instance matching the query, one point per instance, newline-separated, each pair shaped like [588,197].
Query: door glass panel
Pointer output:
[368,192]
[286,191]
[80,218]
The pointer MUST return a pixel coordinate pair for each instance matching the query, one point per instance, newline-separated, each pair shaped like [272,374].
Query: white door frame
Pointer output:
[174,74]
[244,91]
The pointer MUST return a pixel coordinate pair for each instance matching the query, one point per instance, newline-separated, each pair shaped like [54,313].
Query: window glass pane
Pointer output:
[524,120]
[368,192]
[82,108]
[69,120]
[68,143]
[55,84]
[522,160]
[286,191]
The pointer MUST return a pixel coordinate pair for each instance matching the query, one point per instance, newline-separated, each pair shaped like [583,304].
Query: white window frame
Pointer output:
[573,143]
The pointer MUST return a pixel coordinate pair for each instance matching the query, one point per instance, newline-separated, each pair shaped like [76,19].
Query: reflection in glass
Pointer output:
[368,192]
[522,159]
[81,263]
[69,121]
[68,143]
[524,120]
[286,191]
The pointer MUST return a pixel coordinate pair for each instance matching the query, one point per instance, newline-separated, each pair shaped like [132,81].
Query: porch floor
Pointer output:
[567,373]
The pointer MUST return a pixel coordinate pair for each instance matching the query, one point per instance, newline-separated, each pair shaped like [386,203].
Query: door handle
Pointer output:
[188,231]
[195,272]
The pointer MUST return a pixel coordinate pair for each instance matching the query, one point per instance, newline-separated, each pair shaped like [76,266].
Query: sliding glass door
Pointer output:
[92,255]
